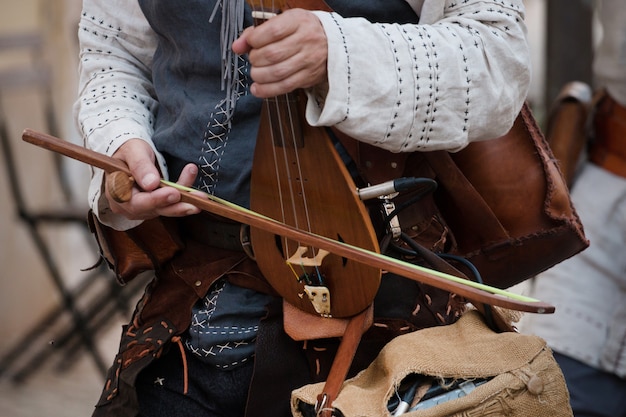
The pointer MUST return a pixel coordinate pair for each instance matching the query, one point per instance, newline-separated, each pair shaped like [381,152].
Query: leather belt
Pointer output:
[609,148]
[217,232]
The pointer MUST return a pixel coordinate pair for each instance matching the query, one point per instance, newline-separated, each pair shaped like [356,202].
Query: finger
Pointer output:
[179,210]
[286,35]
[274,53]
[271,30]
[309,68]
[241,46]
[162,202]
[170,205]
[276,61]
[304,78]
[274,89]
[188,175]
[144,205]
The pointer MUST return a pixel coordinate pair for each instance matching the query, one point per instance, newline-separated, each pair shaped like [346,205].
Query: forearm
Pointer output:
[436,85]
[116,100]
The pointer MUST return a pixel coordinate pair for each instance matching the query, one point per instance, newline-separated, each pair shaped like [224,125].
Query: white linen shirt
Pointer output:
[461,75]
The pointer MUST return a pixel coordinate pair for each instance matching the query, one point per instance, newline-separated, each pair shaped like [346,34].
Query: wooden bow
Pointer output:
[471,290]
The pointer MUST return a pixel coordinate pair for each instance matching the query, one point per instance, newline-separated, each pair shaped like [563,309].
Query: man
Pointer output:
[174,89]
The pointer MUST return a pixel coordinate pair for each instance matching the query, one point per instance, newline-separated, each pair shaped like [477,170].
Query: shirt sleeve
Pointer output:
[116,100]
[460,75]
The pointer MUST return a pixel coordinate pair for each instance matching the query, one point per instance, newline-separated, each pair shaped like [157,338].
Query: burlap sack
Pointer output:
[526,380]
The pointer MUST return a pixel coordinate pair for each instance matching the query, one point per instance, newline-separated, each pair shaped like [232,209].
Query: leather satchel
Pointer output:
[501,204]
[508,205]
[144,248]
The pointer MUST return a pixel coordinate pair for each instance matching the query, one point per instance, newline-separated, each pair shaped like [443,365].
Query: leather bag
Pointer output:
[501,204]
[144,248]
[508,205]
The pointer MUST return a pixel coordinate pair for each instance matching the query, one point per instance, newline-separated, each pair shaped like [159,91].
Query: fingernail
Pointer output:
[149,179]
[172,198]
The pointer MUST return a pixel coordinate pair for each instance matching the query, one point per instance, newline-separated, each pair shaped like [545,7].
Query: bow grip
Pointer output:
[120,186]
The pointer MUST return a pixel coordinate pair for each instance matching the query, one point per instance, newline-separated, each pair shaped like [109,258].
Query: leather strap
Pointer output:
[609,148]
[566,131]
[342,362]
[451,177]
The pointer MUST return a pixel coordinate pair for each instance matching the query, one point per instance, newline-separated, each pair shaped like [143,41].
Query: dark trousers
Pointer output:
[593,393]
[212,392]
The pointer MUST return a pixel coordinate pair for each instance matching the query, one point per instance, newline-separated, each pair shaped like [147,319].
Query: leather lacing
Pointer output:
[183,354]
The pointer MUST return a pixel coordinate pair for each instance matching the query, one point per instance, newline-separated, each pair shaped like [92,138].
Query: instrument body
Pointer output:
[299,179]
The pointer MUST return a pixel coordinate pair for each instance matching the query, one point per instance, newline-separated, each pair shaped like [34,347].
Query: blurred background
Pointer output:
[60,322]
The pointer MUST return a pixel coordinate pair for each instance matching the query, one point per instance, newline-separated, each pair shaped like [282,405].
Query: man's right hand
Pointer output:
[148,200]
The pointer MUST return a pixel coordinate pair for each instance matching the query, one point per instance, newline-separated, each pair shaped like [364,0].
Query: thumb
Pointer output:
[140,159]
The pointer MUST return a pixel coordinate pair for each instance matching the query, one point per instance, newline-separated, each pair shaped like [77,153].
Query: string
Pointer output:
[292,135]
[276,170]
[286,132]
[293,270]
[273,129]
